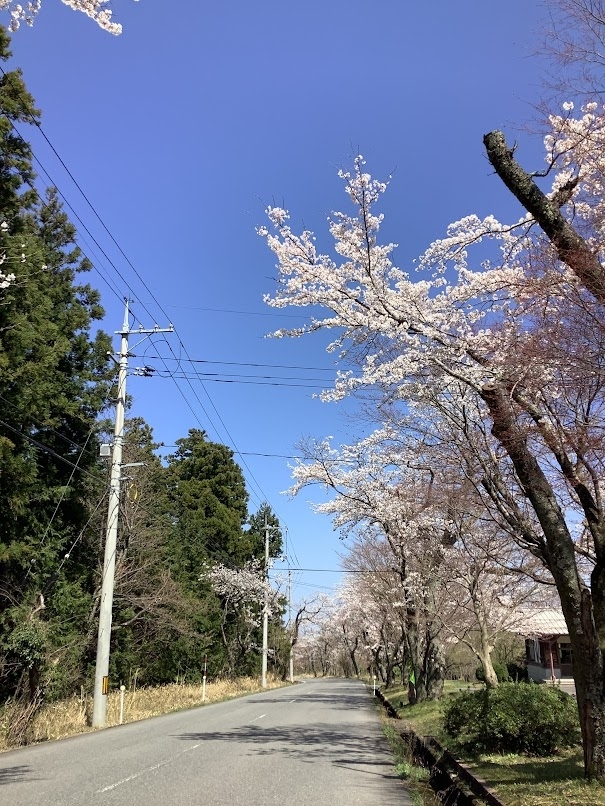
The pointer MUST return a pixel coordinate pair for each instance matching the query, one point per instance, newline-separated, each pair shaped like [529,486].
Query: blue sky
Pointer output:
[185,127]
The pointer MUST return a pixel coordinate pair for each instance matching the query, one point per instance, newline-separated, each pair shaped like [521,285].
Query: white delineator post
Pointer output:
[122,690]
[204,679]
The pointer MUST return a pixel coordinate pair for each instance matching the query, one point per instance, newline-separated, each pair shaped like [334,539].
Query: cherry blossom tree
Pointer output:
[483,597]
[455,332]
[244,593]
[97,10]
[573,36]
[390,506]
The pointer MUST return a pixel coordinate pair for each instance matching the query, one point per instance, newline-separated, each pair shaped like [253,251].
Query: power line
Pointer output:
[144,284]
[46,449]
[239,363]
[344,571]
[239,313]
[243,381]
[249,453]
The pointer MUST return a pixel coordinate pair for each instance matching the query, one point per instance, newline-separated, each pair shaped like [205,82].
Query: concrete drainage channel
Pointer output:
[449,778]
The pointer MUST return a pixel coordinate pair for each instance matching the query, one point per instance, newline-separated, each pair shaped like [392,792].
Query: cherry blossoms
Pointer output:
[97,10]
[246,588]
[489,346]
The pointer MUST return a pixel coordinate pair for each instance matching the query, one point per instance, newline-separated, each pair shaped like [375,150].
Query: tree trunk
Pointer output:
[433,666]
[559,557]
[571,248]
[489,675]
[485,650]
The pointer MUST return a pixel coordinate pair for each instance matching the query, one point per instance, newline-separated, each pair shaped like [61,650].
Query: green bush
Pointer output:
[513,718]
[500,670]
[517,673]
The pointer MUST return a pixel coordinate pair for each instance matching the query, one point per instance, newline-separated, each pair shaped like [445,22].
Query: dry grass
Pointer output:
[69,717]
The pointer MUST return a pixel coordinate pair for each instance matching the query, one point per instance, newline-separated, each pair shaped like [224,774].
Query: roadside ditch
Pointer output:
[452,781]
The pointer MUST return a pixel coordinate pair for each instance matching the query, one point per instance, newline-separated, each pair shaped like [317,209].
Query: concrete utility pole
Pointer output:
[290,627]
[263,681]
[99,712]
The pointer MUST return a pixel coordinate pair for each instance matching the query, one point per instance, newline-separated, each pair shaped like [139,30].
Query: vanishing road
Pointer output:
[318,743]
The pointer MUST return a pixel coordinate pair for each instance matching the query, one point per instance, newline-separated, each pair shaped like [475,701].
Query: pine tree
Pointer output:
[54,382]
[209,497]
[256,533]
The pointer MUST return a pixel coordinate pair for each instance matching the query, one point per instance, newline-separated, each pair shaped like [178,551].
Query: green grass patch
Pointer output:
[524,781]
[415,777]
[518,780]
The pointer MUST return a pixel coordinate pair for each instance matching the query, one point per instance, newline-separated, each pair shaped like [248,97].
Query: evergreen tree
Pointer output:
[159,628]
[54,381]
[209,500]
[256,533]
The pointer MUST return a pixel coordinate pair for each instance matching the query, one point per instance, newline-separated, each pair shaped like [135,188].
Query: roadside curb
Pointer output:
[445,769]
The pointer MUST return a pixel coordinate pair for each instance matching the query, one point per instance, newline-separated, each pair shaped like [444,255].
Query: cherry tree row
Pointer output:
[486,359]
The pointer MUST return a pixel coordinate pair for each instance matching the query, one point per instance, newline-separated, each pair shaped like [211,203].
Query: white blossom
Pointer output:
[244,586]
[97,10]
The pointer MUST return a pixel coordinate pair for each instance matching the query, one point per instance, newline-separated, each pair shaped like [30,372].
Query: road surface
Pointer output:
[317,743]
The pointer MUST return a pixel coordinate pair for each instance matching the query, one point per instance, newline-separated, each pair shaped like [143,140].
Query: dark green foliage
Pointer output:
[54,382]
[513,718]
[174,521]
[517,673]
[256,533]
[16,106]
[499,668]
[209,507]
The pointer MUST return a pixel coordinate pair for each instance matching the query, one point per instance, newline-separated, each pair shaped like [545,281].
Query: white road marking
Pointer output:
[144,772]
[262,716]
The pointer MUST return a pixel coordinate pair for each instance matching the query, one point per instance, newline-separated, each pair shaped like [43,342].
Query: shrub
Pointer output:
[514,718]
[517,673]
[500,670]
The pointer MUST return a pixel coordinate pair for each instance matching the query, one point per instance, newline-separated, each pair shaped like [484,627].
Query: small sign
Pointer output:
[105,689]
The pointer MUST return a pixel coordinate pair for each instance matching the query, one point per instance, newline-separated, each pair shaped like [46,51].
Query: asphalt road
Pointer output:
[318,743]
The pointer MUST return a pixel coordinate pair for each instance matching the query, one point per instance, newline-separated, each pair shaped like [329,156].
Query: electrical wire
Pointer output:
[46,449]
[240,363]
[141,280]
[239,313]
[185,376]
[66,486]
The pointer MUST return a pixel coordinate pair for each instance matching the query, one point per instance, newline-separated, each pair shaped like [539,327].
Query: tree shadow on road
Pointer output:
[12,775]
[360,700]
[301,741]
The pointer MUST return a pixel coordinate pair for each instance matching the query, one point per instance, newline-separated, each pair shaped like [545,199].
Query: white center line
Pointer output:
[143,772]
[262,716]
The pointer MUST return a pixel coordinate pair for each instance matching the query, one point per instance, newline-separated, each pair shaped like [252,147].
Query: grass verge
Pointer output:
[69,717]
[415,777]
[517,780]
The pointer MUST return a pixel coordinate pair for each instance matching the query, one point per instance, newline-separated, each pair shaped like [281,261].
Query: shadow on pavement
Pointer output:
[334,699]
[302,742]
[12,775]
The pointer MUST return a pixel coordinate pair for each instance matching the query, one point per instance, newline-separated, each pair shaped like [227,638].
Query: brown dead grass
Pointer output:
[69,717]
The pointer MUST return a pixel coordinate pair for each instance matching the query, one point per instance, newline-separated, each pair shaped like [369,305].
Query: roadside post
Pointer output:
[122,690]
